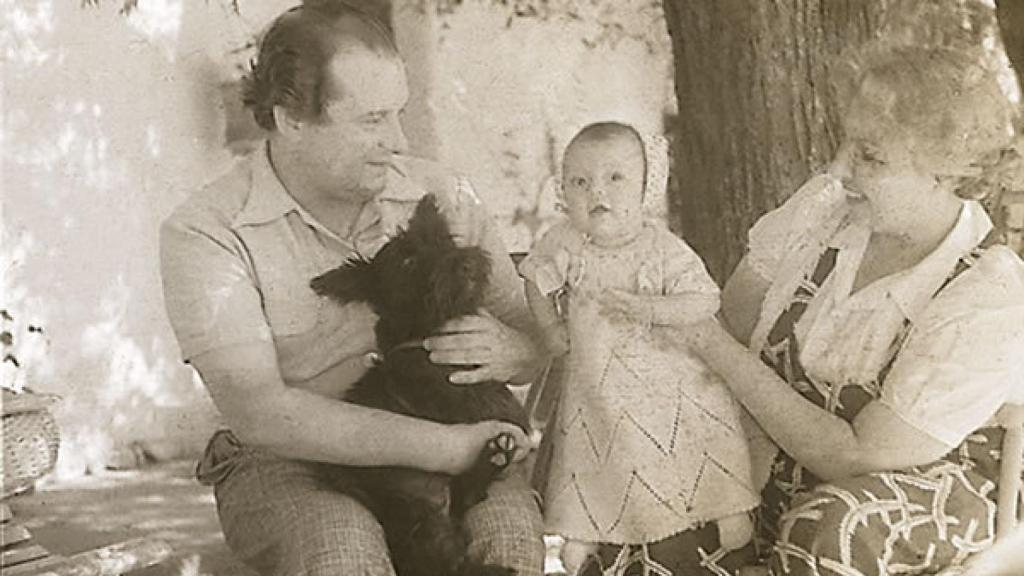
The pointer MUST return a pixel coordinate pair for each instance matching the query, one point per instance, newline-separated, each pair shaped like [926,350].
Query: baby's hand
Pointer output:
[619,305]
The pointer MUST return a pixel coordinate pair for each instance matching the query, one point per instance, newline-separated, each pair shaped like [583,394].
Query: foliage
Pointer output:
[129,6]
[613,20]
[11,338]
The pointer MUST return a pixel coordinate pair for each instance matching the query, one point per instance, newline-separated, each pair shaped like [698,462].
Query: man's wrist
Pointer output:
[443,456]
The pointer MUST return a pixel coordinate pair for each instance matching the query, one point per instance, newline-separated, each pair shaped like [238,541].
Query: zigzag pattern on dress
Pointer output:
[649,434]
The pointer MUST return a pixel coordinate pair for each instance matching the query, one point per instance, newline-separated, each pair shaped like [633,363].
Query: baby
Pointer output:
[647,444]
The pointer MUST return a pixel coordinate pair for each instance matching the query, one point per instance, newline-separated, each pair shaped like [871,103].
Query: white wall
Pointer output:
[505,99]
[108,122]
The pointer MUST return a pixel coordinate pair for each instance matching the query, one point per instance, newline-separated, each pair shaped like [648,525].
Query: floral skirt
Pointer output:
[916,521]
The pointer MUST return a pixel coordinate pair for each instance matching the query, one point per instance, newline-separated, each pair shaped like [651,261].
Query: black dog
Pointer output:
[418,281]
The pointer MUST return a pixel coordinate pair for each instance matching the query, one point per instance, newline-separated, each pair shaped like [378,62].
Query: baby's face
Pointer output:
[603,182]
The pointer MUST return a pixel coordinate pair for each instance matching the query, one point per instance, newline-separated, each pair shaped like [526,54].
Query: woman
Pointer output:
[887,331]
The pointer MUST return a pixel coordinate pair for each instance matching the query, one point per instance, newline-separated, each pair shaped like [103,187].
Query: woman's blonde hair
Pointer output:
[946,103]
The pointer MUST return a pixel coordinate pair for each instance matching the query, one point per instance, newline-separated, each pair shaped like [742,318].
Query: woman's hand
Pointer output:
[488,349]
[466,442]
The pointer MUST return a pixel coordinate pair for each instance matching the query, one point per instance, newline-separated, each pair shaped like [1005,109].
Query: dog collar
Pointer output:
[374,358]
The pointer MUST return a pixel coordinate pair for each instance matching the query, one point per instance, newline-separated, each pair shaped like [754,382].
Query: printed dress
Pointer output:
[646,442]
[933,344]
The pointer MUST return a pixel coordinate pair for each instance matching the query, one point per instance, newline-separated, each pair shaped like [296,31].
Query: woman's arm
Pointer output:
[822,442]
[660,310]
[741,301]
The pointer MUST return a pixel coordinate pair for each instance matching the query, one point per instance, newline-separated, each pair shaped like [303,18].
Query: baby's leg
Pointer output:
[575,553]
[734,532]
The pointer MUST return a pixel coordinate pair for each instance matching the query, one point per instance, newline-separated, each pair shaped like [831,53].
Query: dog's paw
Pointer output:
[501,450]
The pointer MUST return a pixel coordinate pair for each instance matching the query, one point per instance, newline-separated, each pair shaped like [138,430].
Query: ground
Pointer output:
[162,500]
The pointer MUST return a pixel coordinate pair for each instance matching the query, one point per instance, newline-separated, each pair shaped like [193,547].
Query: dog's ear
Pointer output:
[427,224]
[353,281]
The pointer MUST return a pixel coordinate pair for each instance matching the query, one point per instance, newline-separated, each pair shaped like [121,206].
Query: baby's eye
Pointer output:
[578,181]
[618,177]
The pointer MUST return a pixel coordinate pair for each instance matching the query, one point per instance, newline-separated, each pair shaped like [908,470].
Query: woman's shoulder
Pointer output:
[991,286]
[811,213]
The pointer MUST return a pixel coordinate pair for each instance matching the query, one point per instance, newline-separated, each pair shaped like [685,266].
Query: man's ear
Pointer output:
[287,125]
[353,281]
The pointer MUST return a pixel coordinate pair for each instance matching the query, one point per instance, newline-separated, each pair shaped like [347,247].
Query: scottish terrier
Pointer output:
[416,283]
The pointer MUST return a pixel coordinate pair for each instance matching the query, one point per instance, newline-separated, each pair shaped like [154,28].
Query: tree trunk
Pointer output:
[1011,28]
[757,113]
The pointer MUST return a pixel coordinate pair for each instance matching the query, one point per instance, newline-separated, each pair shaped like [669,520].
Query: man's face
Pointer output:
[350,149]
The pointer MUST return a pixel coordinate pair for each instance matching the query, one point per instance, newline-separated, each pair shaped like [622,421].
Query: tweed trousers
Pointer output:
[284,518]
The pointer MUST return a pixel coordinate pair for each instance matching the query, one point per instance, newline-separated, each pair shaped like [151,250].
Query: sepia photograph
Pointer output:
[512,287]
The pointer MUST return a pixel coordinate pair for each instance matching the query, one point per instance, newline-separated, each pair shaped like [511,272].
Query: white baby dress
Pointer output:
[646,443]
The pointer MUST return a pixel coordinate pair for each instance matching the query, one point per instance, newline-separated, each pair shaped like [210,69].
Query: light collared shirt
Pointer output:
[964,356]
[237,258]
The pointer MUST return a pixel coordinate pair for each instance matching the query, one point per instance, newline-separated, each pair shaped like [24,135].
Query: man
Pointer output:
[237,257]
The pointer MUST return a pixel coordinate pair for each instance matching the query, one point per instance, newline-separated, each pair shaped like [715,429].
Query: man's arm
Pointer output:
[217,314]
[245,384]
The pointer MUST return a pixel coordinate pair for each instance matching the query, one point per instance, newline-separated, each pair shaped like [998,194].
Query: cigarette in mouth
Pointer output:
[398,164]
[464,188]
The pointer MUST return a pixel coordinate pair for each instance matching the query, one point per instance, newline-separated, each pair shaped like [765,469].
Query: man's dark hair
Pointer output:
[291,69]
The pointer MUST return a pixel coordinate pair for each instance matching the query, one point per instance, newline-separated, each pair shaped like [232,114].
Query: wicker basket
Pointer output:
[30,441]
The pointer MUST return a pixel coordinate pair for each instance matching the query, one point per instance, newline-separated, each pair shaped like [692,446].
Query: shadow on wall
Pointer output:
[109,121]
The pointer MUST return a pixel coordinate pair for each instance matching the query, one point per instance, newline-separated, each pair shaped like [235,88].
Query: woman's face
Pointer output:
[884,172]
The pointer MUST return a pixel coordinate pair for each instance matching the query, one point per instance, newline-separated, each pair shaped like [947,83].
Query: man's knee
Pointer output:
[507,528]
[341,538]
[282,520]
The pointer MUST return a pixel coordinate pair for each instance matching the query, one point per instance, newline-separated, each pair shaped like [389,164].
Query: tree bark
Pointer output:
[757,112]
[1011,27]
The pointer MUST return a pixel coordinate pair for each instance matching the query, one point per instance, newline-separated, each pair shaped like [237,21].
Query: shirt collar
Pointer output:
[913,289]
[268,200]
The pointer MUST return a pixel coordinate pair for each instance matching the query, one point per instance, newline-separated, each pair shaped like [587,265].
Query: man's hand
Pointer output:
[488,348]
[467,441]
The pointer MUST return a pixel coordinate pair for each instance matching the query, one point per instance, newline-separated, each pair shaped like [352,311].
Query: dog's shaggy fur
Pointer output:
[418,281]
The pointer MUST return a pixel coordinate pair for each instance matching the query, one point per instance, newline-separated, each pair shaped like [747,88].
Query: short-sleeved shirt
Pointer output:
[963,357]
[237,258]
